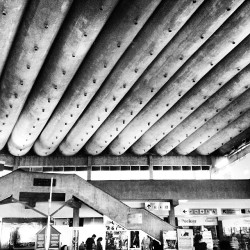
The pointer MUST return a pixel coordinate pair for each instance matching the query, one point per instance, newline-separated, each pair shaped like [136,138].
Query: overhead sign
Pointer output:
[203,211]
[245,211]
[230,211]
[157,206]
[197,221]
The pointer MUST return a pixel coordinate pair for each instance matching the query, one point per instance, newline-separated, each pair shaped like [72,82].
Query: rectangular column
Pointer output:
[171,217]
[75,217]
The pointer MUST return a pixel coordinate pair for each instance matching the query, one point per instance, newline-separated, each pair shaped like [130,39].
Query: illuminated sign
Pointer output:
[157,206]
[230,211]
[245,211]
[203,211]
[197,221]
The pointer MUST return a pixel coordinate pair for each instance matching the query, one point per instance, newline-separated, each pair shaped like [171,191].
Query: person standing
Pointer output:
[234,242]
[81,246]
[198,245]
[146,243]
[90,242]
[99,244]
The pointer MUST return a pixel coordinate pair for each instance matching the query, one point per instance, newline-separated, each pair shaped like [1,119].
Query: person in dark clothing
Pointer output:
[99,244]
[225,245]
[81,246]
[198,245]
[90,242]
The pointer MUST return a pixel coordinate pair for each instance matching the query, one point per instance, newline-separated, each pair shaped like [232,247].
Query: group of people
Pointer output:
[223,244]
[91,245]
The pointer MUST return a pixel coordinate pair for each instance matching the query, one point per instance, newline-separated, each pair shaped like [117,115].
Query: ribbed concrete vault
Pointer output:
[100,77]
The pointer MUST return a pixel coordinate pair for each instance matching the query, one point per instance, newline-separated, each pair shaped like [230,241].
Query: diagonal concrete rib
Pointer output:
[102,202]
[39,27]
[81,27]
[237,141]
[236,60]
[232,130]
[233,89]
[12,12]
[119,31]
[225,135]
[165,22]
[233,31]
[218,122]
[184,44]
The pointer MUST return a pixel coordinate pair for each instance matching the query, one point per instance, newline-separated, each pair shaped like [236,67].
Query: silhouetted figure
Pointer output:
[198,245]
[90,242]
[225,245]
[99,244]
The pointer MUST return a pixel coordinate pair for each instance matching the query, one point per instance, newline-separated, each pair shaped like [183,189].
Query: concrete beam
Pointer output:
[235,143]
[223,97]
[34,38]
[76,161]
[167,190]
[118,33]
[233,129]
[27,205]
[161,27]
[217,123]
[216,48]
[81,27]
[235,61]
[12,12]
[185,43]
[244,150]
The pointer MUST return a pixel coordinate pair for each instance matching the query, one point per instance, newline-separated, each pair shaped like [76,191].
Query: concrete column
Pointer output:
[75,217]
[220,230]
[151,165]
[89,168]
[171,217]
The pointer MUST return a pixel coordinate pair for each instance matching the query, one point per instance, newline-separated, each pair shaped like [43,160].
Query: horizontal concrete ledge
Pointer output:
[176,189]
[84,161]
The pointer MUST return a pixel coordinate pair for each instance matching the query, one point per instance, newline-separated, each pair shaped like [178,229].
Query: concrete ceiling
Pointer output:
[110,77]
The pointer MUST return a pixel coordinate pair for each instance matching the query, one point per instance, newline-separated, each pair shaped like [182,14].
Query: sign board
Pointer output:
[197,221]
[203,211]
[169,240]
[135,218]
[185,239]
[245,210]
[157,206]
[40,241]
[54,238]
[230,211]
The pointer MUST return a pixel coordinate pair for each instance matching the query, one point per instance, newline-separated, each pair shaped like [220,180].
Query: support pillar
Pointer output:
[151,165]
[76,217]
[220,230]
[89,168]
[171,217]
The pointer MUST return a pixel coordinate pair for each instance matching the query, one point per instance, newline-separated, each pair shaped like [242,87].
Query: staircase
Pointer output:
[75,186]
